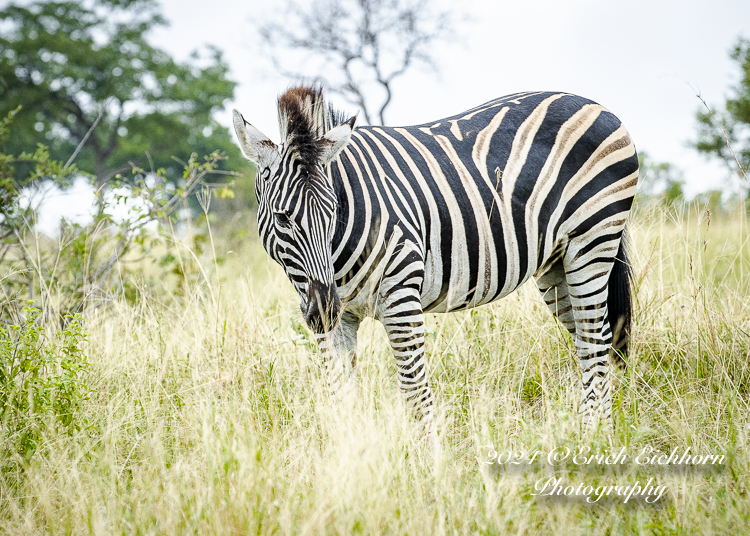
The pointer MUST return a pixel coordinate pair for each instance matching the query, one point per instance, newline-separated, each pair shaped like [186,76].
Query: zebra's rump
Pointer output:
[487,195]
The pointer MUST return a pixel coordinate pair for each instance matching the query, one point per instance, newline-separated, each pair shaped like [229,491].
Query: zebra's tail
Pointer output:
[620,301]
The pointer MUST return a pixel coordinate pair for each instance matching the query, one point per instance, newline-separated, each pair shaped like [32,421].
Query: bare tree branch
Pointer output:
[356,45]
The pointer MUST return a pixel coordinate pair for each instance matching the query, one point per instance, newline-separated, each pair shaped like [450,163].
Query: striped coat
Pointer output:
[394,222]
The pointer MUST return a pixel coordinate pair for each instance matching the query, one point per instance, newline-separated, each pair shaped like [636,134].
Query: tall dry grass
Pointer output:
[211,416]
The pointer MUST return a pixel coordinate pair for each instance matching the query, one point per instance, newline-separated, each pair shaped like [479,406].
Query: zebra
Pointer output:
[396,222]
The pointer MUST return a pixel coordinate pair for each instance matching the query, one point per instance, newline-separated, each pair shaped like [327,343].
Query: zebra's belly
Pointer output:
[459,299]
[473,280]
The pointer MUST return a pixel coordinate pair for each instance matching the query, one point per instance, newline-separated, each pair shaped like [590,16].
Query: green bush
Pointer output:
[43,381]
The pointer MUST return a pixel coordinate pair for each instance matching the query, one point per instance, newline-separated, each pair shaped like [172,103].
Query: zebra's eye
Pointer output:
[282,219]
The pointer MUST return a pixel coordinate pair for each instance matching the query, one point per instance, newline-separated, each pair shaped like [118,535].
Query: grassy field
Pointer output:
[209,416]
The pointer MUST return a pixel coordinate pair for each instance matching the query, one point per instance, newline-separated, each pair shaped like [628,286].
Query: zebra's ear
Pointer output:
[336,139]
[254,144]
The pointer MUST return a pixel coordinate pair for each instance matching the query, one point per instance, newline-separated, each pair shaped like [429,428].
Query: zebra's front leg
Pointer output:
[338,348]
[404,323]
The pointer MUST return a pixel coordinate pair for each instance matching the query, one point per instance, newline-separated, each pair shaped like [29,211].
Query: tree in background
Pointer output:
[84,74]
[356,47]
[733,121]
[84,94]
[660,181]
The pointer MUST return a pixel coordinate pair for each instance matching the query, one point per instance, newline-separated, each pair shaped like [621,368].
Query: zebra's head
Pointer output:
[296,197]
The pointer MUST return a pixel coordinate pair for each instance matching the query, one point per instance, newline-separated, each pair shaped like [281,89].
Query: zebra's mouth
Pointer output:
[321,306]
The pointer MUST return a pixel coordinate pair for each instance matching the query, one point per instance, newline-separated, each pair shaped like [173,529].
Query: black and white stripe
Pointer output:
[394,222]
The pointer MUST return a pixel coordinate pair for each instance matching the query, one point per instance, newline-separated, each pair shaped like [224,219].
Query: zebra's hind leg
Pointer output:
[588,263]
[554,289]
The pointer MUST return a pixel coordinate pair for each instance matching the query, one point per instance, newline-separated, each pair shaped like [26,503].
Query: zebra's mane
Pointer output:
[304,117]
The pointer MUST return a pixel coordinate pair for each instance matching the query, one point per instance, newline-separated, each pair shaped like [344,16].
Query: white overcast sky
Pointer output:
[638,58]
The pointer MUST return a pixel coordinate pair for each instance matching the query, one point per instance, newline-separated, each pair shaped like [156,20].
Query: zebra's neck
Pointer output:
[359,235]
[343,210]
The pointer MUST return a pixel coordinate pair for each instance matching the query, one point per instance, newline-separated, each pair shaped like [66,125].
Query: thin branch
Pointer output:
[86,137]
[723,133]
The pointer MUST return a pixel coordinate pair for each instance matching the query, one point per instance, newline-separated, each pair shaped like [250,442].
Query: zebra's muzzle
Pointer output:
[321,307]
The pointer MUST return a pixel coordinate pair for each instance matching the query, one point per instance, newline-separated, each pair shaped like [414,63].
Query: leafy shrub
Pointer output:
[42,385]
[82,267]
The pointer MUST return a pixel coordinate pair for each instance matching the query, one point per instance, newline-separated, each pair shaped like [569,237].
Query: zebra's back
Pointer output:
[486,196]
